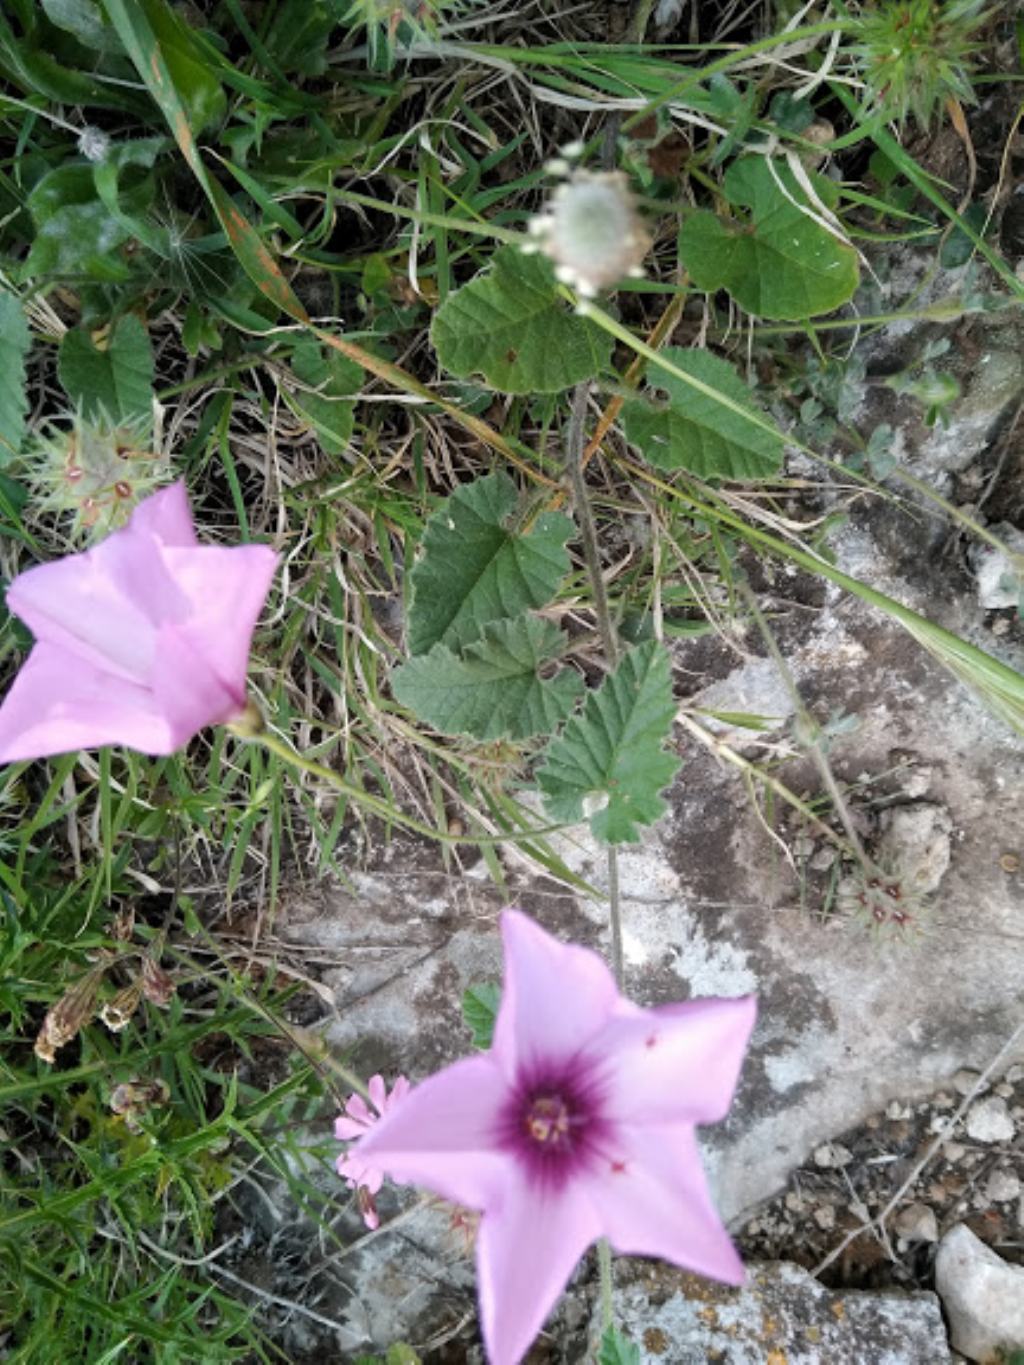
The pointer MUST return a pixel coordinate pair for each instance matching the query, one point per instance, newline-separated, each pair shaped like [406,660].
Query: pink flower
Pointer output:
[141,641]
[353,1125]
[578,1124]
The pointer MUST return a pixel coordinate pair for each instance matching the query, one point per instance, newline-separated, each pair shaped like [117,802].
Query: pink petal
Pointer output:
[398,1091]
[345,1129]
[378,1092]
[659,1204]
[555,996]
[59,703]
[357,1173]
[526,1250]
[678,1062]
[77,603]
[166,516]
[442,1135]
[189,693]
[225,590]
[357,1108]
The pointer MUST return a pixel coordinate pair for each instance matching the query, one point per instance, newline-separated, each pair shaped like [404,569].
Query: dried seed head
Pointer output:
[70,1014]
[117,1013]
[132,1099]
[157,985]
[592,232]
[93,144]
[122,926]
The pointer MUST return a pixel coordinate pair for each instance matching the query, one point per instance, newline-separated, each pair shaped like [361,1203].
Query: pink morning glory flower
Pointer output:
[579,1123]
[142,640]
[354,1124]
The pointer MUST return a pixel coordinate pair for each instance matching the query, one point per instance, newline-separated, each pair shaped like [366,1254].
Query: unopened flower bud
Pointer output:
[157,985]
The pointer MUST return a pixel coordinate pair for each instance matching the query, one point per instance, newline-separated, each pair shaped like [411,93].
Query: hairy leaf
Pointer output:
[611,751]
[14,344]
[782,264]
[480,1010]
[475,568]
[695,431]
[493,689]
[116,382]
[615,1349]
[511,326]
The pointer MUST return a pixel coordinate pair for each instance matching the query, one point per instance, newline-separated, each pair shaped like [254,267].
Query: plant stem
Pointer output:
[585,517]
[604,1264]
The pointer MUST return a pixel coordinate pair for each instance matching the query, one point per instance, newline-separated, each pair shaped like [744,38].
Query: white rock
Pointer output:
[989,1121]
[914,841]
[832,1156]
[982,1295]
[964,1082]
[999,582]
[953,1151]
[1001,1187]
[825,1217]
[917,1223]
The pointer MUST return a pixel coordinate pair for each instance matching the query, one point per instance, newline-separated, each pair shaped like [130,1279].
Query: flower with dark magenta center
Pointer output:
[578,1124]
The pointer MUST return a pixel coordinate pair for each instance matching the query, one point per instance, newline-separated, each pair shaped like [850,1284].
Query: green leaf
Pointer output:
[330,409]
[511,325]
[116,382]
[615,1349]
[480,1010]
[85,19]
[693,431]
[14,344]
[80,239]
[477,567]
[612,750]
[782,264]
[493,689]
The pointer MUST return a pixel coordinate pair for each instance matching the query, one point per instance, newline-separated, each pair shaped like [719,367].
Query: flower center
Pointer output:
[548,1121]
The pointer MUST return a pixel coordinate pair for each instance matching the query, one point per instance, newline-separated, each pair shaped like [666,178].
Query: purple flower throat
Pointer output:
[554,1122]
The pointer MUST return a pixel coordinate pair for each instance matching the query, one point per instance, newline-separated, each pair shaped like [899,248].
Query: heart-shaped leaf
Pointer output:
[782,263]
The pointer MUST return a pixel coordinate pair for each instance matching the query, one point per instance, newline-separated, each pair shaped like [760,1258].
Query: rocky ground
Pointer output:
[879,1130]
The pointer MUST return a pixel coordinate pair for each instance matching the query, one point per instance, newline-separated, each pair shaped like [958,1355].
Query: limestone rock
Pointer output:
[983,1296]
[989,1121]
[917,1223]
[915,842]
[781,1314]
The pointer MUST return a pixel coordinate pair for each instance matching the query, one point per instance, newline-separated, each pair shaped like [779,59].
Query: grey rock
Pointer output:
[989,1121]
[781,1314]
[1002,1187]
[982,1295]
[915,842]
[965,1080]
[999,575]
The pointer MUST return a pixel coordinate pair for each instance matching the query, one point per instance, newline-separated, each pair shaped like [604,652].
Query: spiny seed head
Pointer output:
[95,472]
[591,231]
[883,901]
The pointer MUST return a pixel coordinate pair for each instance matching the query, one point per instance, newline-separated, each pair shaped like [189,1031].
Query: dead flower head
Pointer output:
[69,1015]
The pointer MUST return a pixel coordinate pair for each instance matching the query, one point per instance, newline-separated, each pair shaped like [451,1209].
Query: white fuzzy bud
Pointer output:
[591,231]
[93,144]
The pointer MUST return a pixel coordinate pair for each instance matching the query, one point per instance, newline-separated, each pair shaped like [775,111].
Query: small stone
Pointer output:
[832,1156]
[917,1223]
[942,1100]
[1002,1186]
[1003,1090]
[897,1110]
[983,1296]
[965,1081]
[794,1202]
[823,859]
[915,841]
[825,1217]
[953,1151]
[989,1121]
[1010,862]
[1016,1073]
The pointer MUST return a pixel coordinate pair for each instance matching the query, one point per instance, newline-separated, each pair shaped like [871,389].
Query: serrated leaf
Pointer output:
[116,382]
[480,1010]
[611,751]
[493,689]
[14,344]
[475,568]
[615,1349]
[335,379]
[782,264]
[511,325]
[693,431]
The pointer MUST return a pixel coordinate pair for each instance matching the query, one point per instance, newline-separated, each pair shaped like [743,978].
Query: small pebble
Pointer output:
[794,1202]
[917,1223]
[898,1111]
[1004,1090]
[942,1100]
[953,1151]
[825,1217]
[1015,1073]
[1002,1187]
[831,1155]
[965,1081]
[989,1121]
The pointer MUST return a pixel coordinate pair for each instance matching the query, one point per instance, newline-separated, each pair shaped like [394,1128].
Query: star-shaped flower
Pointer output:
[579,1123]
[142,640]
